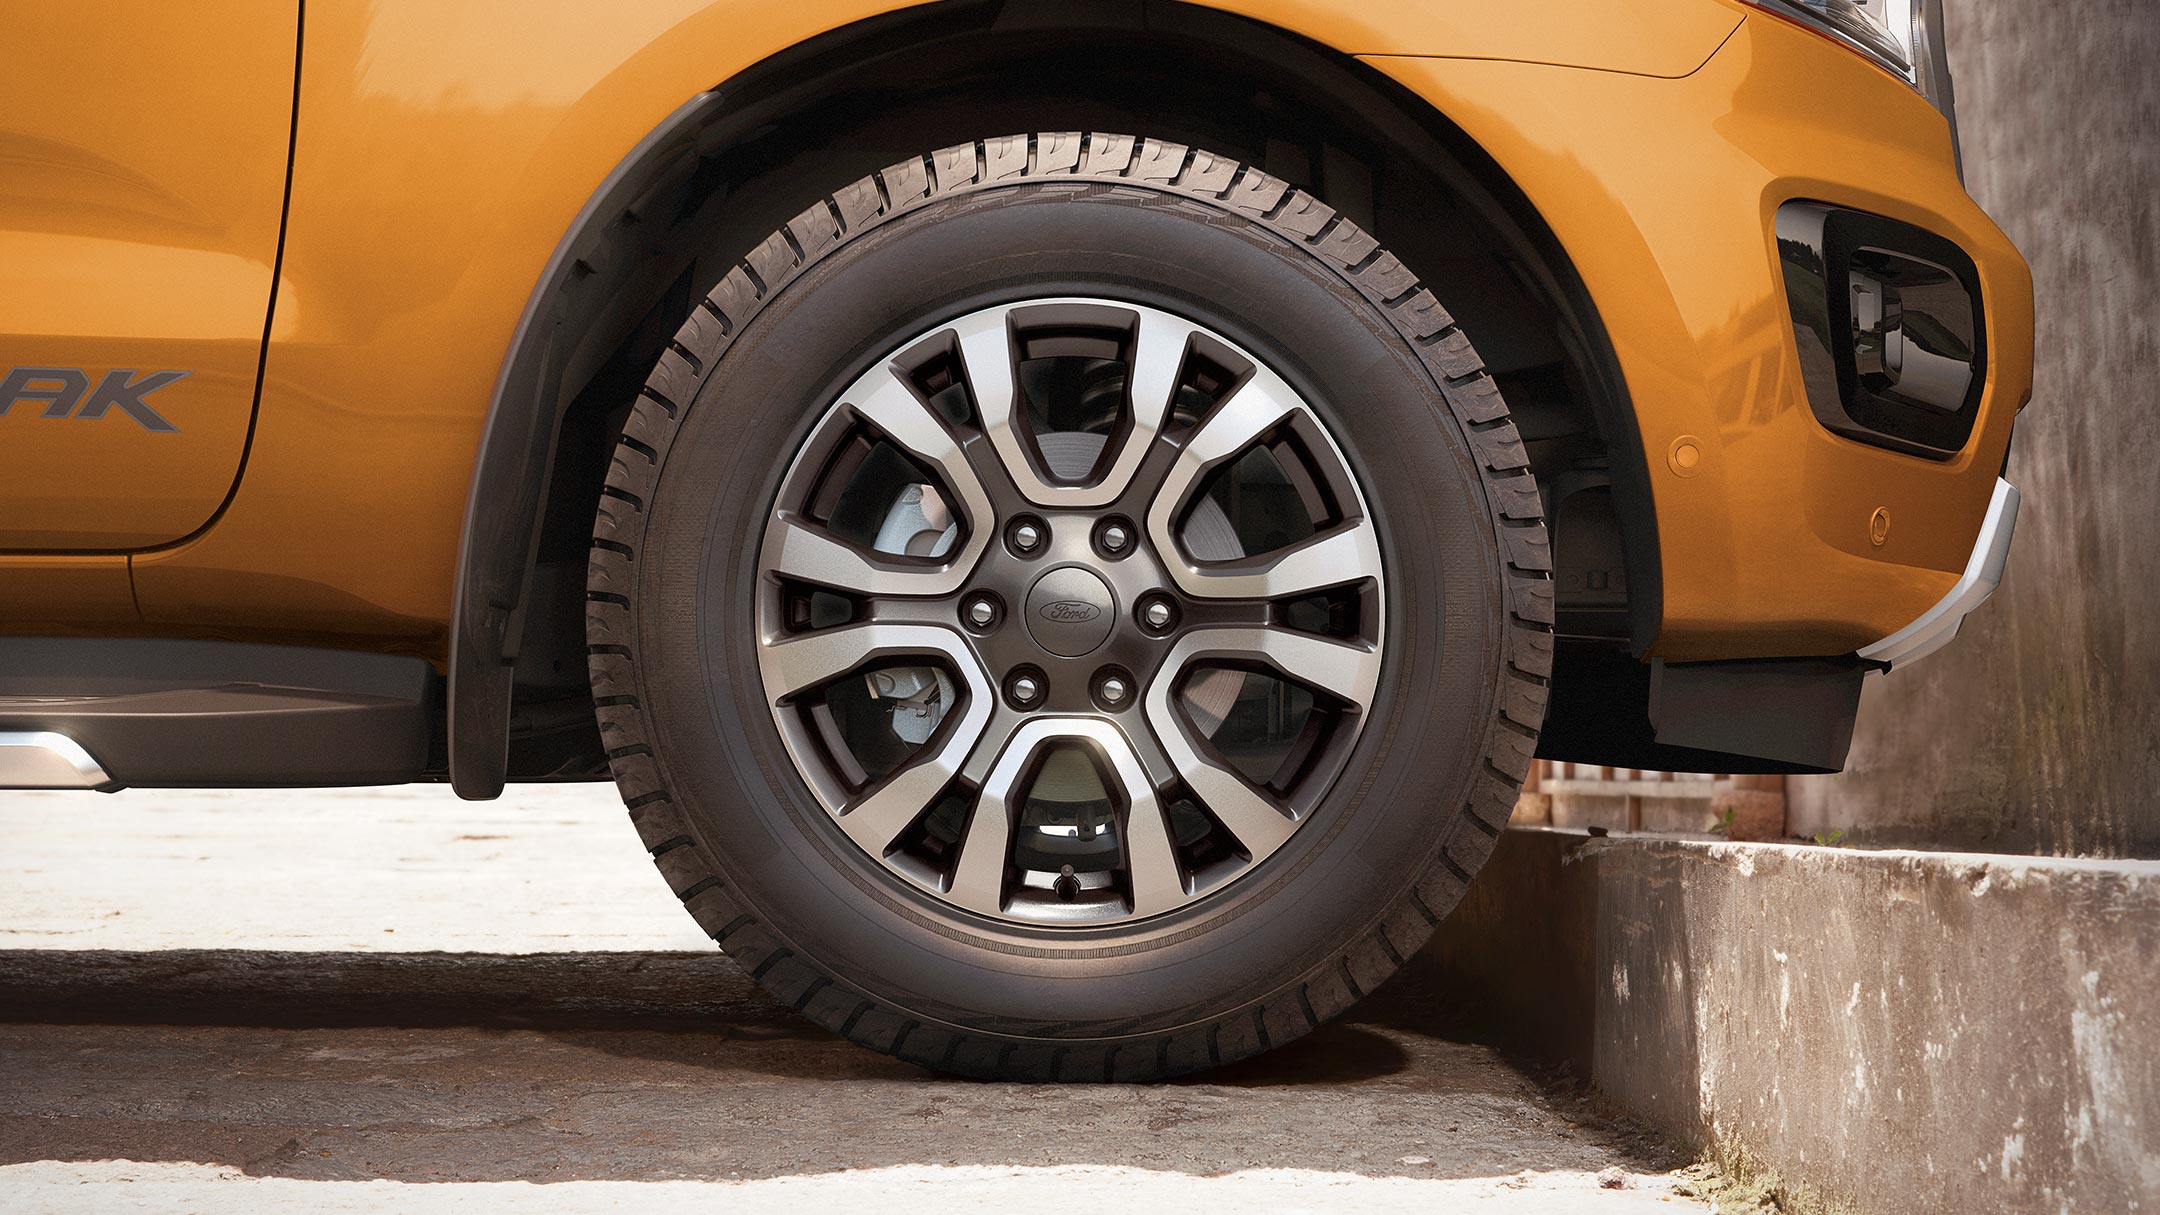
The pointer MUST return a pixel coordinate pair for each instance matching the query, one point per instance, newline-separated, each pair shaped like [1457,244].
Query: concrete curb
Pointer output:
[1901,1031]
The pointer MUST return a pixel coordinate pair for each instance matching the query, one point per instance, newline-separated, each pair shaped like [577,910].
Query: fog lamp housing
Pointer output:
[1887,318]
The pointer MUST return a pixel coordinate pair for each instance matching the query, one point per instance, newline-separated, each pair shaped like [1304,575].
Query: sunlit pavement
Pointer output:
[396,1001]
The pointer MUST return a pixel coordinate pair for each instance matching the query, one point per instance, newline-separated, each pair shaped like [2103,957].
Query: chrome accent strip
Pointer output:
[1933,64]
[43,759]
[1983,573]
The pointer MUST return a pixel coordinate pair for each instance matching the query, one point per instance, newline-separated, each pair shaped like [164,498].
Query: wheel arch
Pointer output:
[641,251]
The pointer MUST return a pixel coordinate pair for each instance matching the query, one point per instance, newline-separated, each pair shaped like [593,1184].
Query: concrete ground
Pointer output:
[395,1001]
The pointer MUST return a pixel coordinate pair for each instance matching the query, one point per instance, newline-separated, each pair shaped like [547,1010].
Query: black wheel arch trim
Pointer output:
[497,550]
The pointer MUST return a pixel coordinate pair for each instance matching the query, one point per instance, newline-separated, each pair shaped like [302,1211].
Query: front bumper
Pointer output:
[1777,535]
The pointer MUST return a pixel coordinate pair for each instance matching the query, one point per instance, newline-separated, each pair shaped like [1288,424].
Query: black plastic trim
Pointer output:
[1766,715]
[497,550]
[164,713]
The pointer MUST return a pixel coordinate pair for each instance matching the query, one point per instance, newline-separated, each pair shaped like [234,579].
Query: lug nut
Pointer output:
[1025,536]
[981,611]
[1113,537]
[1157,614]
[1113,688]
[1024,688]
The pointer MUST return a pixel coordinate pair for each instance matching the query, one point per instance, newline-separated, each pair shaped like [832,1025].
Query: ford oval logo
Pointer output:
[1068,611]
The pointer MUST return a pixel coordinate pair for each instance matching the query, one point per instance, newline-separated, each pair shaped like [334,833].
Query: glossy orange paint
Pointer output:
[1663,193]
[1641,37]
[142,176]
[444,149]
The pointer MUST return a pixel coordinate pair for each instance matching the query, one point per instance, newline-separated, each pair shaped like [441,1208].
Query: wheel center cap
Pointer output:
[1071,611]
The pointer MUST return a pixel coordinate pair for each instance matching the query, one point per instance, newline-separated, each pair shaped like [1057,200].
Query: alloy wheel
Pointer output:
[1070,611]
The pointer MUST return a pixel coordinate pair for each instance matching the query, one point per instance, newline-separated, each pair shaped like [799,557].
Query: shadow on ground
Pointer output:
[554,1067]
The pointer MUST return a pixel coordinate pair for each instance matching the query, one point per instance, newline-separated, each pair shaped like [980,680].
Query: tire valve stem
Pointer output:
[1068,886]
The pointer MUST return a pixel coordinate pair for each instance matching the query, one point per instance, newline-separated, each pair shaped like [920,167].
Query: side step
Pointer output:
[101,713]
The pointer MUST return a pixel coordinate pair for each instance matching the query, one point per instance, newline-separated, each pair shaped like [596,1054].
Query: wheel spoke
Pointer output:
[1346,552]
[1255,408]
[877,818]
[1151,864]
[804,551]
[799,548]
[1347,671]
[1158,356]
[892,408]
[796,665]
[978,882]
[987,351]
[791,668]
[1258,823]
[987,355]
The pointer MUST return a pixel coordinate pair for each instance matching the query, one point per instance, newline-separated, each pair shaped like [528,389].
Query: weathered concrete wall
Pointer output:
[2039,730]
[1902,1032]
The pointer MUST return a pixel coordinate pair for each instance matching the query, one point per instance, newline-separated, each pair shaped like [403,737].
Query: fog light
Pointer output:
[1922,357]
[1888,324]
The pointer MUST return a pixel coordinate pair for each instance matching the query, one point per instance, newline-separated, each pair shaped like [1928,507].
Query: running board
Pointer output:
[97,713]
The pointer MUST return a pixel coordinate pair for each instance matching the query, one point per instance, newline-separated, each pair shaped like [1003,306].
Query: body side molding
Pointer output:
[152,712]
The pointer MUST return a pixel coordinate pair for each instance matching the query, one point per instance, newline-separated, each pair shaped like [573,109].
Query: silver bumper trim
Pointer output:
[42,759]
[1983,573]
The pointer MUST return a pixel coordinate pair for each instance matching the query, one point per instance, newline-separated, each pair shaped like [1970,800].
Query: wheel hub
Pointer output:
[1070,612]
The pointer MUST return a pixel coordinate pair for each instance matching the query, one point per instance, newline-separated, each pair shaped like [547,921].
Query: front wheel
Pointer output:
[1069,607]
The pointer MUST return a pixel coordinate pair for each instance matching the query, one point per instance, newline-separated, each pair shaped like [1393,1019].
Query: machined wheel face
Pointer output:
[1070,611]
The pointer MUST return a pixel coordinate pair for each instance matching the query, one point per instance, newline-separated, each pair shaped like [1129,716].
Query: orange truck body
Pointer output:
[335,219]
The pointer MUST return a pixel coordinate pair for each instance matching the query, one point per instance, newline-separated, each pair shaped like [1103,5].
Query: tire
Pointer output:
[1431,768]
